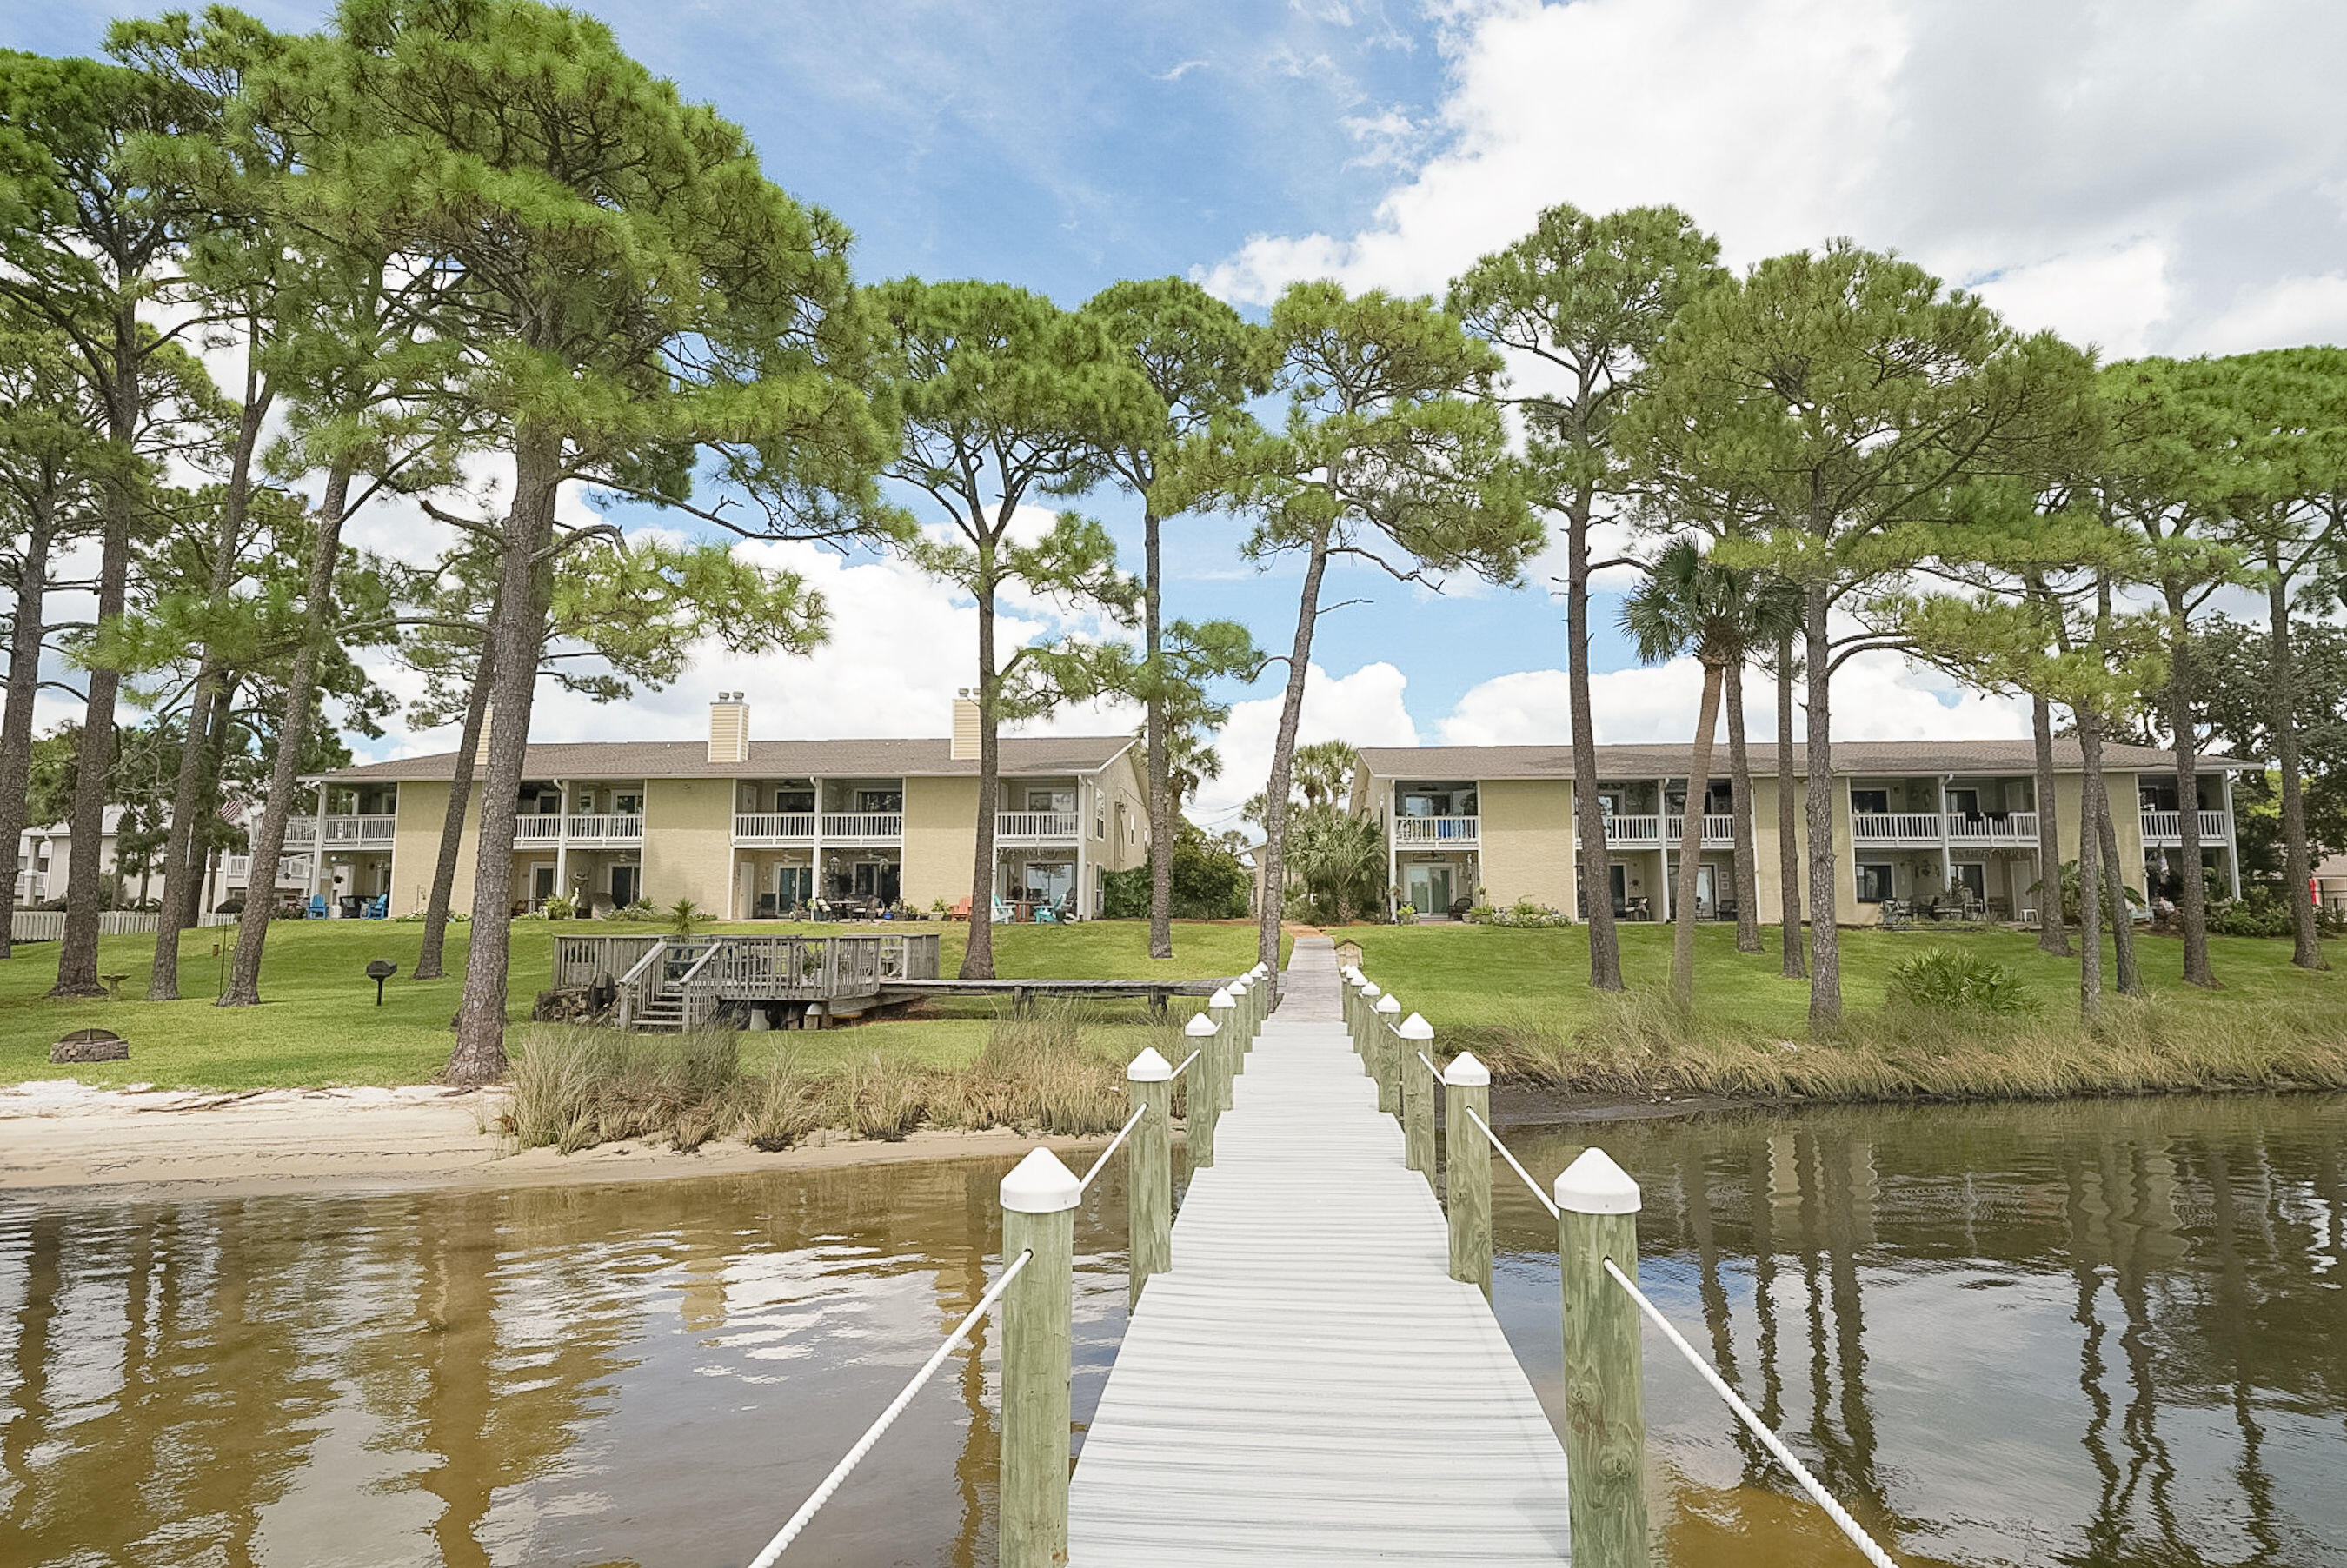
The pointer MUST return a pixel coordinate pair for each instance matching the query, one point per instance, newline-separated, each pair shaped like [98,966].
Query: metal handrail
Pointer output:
[1760,1428]
[855,1456]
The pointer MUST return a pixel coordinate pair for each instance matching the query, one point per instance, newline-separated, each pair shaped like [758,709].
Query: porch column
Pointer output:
[2232,840]
[562,841]
[1393,858]
[1947,867]
[1085,910]
[1663,846]
[816,870]
[317,854]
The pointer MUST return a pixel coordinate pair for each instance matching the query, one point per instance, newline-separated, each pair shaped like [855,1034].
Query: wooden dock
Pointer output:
[1308,1384]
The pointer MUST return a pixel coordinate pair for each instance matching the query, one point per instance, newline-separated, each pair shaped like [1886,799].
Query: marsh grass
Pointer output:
[1047,1071]
[1641,1044]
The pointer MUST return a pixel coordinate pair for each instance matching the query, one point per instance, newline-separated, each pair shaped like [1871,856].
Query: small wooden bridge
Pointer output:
[656,981]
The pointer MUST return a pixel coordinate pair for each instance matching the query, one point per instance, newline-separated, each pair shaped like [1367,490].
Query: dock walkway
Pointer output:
[1308,1384]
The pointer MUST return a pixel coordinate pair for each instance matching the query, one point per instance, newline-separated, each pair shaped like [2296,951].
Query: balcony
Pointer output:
[863,827]
[755,828]
[2014,828]
[378,831]
[292,870]
[2168,827]
[1416,832]
[1038,826]
[549,828]
[1664,831]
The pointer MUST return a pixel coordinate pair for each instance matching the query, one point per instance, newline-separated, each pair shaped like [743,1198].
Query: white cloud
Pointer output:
[1875,698]
[1365,708]
[2137,175]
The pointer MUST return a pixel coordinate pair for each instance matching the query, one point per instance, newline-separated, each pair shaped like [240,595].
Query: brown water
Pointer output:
[2111,1334]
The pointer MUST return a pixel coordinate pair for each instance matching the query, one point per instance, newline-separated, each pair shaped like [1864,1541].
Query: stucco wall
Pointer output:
[1527,841]
[415,848]
[689,842]
[940,836]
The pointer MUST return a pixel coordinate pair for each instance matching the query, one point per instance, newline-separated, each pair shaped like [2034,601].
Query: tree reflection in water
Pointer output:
[2096,1335]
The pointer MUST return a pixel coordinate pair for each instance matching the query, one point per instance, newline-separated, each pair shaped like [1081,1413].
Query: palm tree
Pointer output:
[1772,612]
[1688,603]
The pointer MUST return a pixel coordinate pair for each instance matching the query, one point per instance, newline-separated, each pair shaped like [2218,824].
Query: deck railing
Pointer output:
[1038,824]
[370,829]
[1415,830]
[863,827]
[290,867]
[775,827]
[2168,827]
[607,827]
[2013,827]
[1634,830]
[1717,829]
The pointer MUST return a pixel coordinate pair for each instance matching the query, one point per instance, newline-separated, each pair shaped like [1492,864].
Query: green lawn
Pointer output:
[320,1026]
[1472,976]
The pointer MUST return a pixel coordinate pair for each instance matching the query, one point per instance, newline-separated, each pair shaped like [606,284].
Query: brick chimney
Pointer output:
[965,729]
[729,728]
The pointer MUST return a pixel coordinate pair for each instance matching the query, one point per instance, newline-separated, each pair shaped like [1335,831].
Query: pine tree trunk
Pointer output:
[2129,981]
[2197,969]
[2298,861]
[1683,905]
[1153,742]
[1739,783]
[2090,915]
[268,841]
[2053,931]
[78,953]
[518,637]
[32,587]
[1588,812]
[978,959]
[1283,760]
[431,960]
[163,971]
[1788,842]
[1825,876]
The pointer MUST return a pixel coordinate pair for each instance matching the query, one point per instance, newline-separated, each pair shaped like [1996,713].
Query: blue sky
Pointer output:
[2160,177]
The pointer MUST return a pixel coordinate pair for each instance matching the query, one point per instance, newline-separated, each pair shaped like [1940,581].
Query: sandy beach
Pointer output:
[62,1138]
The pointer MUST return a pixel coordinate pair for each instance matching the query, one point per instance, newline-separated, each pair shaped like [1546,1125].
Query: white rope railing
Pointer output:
[1834,1510]
[1129,1123]
[1430,1065]
[855,1456]
[1545,1200]
[1183,1068]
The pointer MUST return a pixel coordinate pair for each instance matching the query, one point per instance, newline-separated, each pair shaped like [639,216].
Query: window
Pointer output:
[878,800]
[1051,799]
[627,884]
[794,798]
[1874,801]
[1973,876]
[1874,883]
[1964,803]
[627,805]
[1100,814]
[1609,803]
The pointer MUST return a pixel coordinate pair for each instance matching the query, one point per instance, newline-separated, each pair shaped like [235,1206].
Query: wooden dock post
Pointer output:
[1224,1053]
[1198,1125]
[1244,1013]
[1418,1095]
[1039,1217]
[1363,1014]
[1348,997]
[1605,1389]
[1149,1171]
[1384,1053]
[1467,1172]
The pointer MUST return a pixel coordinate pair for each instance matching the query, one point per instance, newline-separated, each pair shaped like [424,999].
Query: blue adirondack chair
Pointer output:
[317,905]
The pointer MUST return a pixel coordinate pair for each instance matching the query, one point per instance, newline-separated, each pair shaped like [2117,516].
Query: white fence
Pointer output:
[49,924]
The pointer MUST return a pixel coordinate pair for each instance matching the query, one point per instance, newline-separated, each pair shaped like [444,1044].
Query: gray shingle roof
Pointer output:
[1022,755]
[1865,759]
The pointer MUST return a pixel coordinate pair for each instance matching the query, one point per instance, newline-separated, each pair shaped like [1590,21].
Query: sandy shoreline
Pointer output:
[59,1139]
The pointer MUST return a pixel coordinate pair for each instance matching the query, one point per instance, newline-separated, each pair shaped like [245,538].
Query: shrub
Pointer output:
[1405,912]
[1124,895]
[685,917]
[575,1088]
[1524,913]
[641,909]
[1951,979]
[780,1107]
[559,907]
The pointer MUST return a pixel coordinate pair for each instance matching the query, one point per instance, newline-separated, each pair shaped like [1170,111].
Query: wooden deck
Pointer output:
[1308,1385]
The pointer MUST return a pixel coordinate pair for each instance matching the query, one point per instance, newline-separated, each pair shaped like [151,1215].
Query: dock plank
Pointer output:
[1308,1385]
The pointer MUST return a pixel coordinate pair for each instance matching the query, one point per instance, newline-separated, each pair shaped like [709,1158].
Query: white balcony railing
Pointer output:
[1416,830]
[372,829]
[546,828]
[1717,829]
[1050,825]
[773,826]
[2016,827]
[2168,827]
[1634,830]
[863,827]
[292,870]
[1895,826]
[615,828]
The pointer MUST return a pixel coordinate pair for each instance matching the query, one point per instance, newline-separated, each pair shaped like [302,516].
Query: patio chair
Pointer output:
[960,911]
[1045,916]
[317,905]
[1002,915]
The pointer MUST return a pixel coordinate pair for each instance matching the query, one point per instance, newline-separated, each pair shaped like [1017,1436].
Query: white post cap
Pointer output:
[1389,1004]
[1148,1068]
[1039,1184]
[1415,1027]
[1466,1073]
[1221,999]
[1240,987]
[1594,1185]
[1200,1025]
[1369,989]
